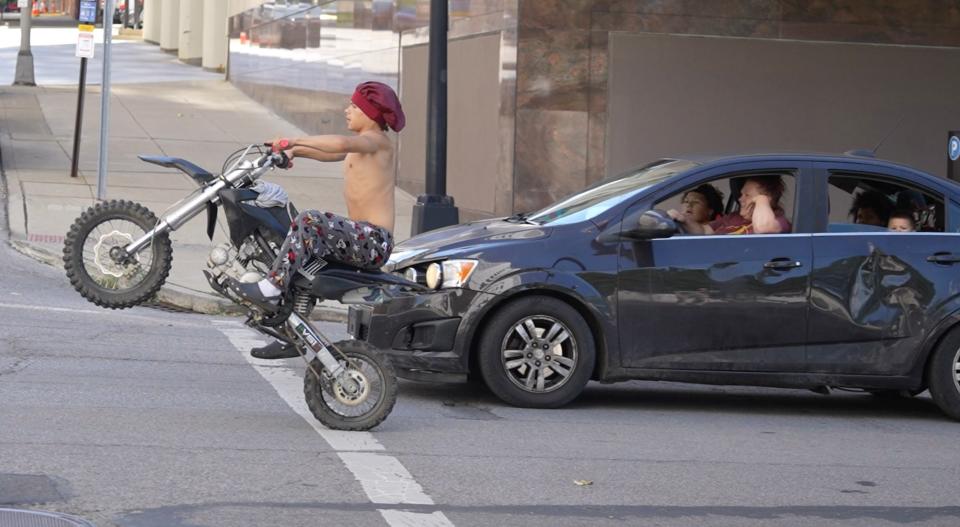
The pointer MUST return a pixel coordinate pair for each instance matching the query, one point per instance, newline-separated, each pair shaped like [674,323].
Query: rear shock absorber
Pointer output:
[302,302]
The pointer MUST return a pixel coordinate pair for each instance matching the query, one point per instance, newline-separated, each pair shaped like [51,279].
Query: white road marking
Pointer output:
[383,478]
[414,519]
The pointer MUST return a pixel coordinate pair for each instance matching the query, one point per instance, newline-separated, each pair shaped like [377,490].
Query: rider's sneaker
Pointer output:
[275,350]
[250,293]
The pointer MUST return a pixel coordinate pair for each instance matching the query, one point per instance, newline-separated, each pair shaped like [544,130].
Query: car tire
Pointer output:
[942,372]
[536,352]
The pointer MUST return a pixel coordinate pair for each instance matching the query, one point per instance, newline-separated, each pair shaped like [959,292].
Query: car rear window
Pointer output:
[869,202]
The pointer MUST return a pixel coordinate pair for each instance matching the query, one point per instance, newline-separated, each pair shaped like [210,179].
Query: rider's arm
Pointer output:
[311,153]
[336,144]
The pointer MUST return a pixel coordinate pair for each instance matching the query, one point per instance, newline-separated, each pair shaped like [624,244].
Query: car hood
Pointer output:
[465,239]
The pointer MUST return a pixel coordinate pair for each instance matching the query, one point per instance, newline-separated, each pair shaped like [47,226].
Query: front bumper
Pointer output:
[421,334]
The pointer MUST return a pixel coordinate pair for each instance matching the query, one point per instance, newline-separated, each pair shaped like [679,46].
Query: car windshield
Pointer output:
[608,192]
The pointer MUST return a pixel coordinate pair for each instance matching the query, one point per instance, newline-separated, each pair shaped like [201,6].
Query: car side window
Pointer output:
[725,204]
[875,203]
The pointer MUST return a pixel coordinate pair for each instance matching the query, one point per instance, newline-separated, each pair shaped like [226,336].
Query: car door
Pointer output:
[734,302]
[876,294]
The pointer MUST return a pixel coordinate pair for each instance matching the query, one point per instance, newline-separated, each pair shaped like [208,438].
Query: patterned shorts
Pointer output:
[325,235]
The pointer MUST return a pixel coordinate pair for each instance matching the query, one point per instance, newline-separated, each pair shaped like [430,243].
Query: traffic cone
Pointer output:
[36,10]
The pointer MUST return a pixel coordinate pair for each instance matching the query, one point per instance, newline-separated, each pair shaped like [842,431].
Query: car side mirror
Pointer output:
[652,224]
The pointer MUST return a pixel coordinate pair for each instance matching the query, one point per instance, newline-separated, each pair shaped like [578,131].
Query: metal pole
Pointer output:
[435,209]
[75,161]
[136,14]
[105,101]
[437,100]
[126,13]
[24,71]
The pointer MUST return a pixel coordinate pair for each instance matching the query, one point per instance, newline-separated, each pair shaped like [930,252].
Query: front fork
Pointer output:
[318,346]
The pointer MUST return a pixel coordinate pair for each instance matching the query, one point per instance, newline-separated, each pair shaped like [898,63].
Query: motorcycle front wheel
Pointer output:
[96,263]
[361,406]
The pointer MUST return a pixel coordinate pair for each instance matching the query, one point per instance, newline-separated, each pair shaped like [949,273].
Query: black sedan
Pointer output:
[856,284]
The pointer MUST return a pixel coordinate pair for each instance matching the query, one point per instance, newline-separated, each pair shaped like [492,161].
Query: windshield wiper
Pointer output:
[520,217]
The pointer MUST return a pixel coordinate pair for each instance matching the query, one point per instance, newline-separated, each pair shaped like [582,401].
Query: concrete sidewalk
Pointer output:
[202,121]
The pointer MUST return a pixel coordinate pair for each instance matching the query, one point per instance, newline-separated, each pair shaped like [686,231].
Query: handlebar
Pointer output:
[279,155]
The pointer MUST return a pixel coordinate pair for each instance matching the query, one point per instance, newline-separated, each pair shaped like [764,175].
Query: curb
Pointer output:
[177,298]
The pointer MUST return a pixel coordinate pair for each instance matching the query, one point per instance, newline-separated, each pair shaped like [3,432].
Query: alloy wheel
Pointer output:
[539,354]
[956,370]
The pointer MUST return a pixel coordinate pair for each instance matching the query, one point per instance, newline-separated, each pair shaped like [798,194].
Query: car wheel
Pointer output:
[536,352]
[943,375]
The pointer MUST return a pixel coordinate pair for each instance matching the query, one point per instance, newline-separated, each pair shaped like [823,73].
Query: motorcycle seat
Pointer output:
[198,174]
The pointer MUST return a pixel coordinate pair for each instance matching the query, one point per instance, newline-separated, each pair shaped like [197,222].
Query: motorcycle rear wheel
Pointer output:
[94,240]
[338,409]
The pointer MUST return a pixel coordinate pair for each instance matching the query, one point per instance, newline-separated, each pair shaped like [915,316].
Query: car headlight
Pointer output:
[411,274]
[434,275]
[449,273]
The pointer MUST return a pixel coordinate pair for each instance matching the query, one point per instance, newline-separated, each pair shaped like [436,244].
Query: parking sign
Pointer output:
[88,11]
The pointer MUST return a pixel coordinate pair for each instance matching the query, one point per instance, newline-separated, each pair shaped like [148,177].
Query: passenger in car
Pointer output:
[702,204]
[760,211]
[901,220]
[871,208]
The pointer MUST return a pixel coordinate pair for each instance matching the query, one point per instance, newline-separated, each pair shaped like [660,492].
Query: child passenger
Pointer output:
[901,221]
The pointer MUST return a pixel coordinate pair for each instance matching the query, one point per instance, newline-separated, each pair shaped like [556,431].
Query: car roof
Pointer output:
[861,157]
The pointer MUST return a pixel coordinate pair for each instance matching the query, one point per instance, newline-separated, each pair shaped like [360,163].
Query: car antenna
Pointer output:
[899,122]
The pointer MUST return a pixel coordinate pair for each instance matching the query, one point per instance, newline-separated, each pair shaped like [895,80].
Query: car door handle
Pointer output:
[781,264]
[944,258]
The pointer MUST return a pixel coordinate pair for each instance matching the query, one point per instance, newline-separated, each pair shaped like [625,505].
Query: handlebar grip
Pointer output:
[279,146]
[285,161]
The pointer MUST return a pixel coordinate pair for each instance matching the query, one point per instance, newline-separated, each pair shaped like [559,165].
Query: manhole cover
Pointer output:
[21,518]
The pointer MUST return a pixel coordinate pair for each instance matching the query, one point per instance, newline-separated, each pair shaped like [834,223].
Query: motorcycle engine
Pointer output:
[241,264]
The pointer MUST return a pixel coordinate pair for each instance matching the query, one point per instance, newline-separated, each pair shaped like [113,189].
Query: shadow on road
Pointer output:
[679,398]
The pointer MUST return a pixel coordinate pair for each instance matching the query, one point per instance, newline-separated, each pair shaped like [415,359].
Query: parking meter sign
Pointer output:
[88,11]
[85,45]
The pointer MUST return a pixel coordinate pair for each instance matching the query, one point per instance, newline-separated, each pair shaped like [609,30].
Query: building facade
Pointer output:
[548,96]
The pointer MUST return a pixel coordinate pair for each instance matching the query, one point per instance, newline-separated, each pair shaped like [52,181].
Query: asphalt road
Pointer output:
[142,418]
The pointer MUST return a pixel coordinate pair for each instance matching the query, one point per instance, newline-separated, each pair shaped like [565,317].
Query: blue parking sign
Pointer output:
[88,11]
[954,148]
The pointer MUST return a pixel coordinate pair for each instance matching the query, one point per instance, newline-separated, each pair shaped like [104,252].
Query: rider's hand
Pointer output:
[280,144]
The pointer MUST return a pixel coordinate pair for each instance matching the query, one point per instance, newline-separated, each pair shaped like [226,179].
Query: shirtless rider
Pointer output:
[364,238]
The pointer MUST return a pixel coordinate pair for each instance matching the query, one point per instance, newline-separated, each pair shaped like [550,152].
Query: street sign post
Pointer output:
[23,75]
[105,100]
[85,47]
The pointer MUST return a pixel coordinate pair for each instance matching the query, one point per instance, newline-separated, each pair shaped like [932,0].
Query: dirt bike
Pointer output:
[117,254]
